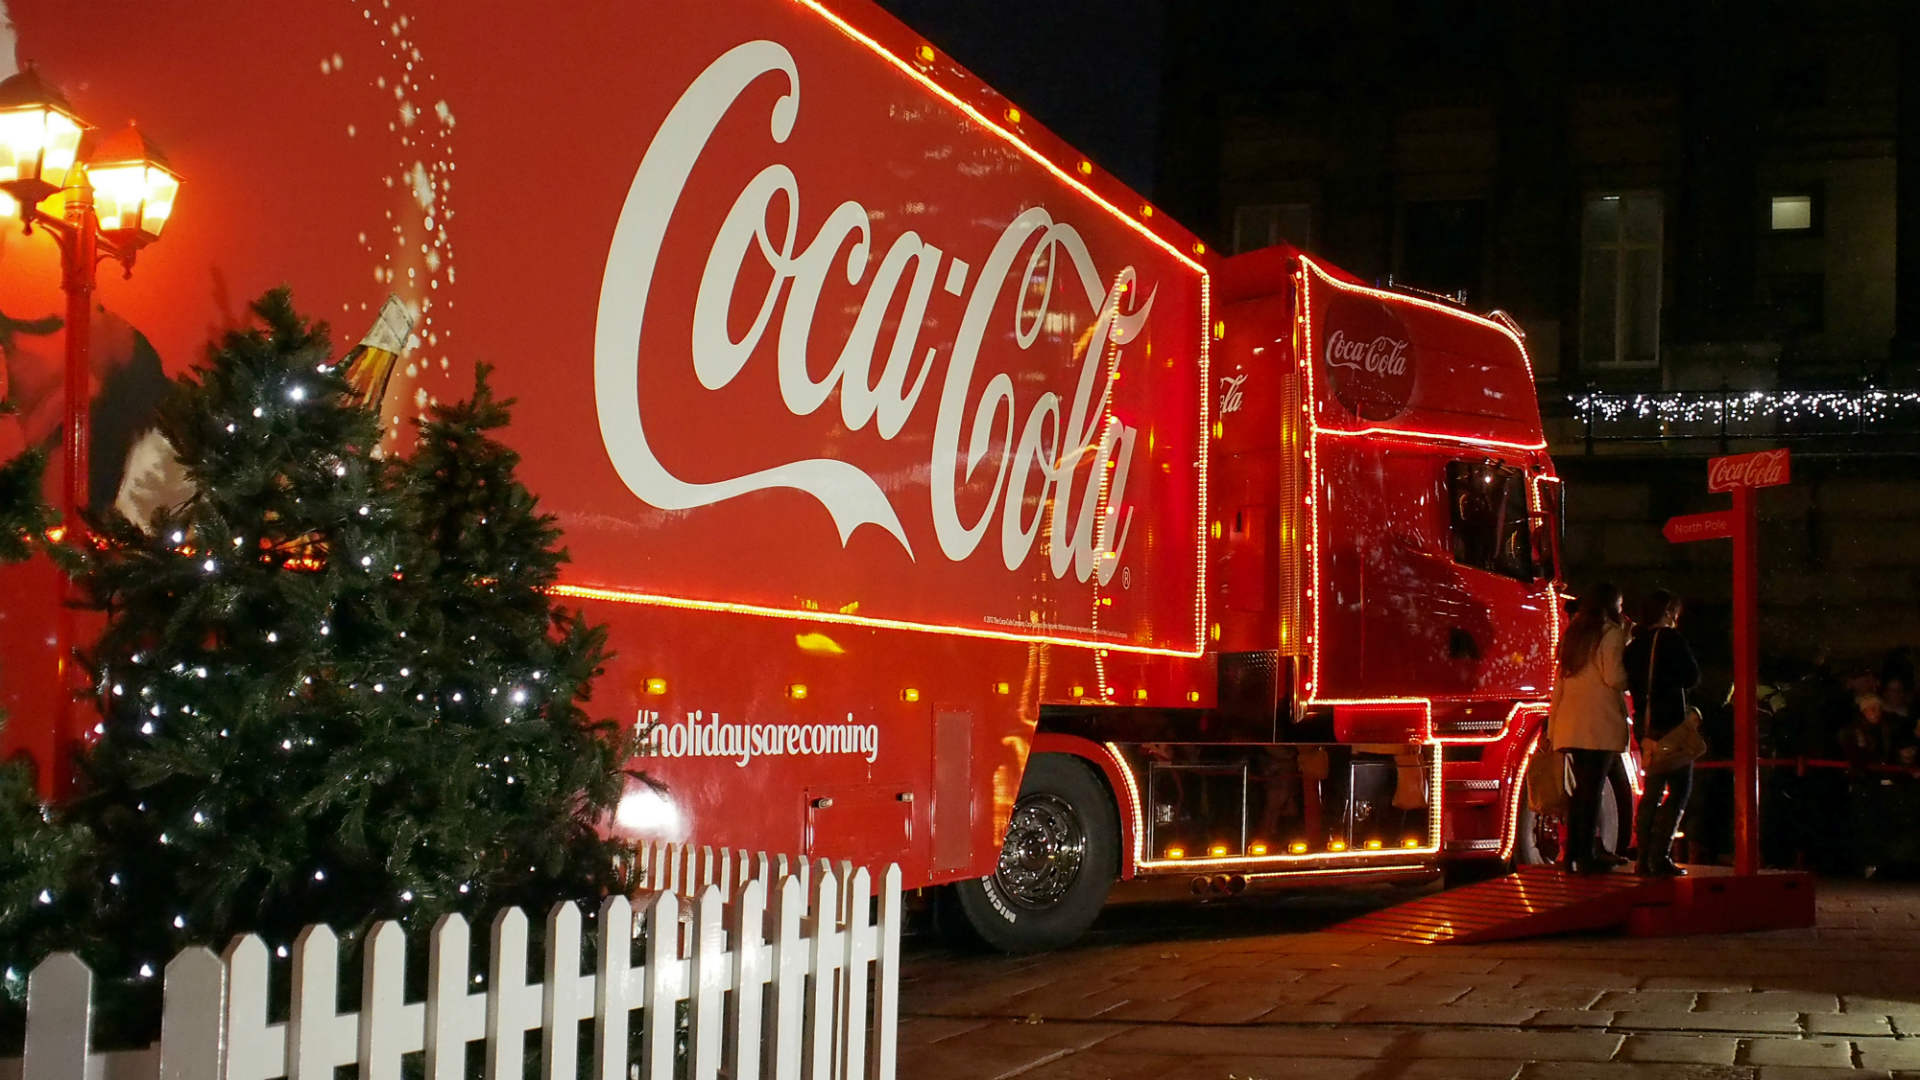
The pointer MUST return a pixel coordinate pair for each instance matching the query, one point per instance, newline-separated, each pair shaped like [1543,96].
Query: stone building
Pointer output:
[1693,207]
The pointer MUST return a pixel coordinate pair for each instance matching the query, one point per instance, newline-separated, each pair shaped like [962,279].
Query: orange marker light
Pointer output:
[1078,691]
[1193,695]
[1140,695]
[1337,845]
[1298,847]
[925,52]
[1373,845]
[1176,853]
[1411,841]
[1001,688]
[910,694]
[1145,210]
[1256,848]
[1013,116]
[656,687]
[797,691]
[1217,850]
[1085,167]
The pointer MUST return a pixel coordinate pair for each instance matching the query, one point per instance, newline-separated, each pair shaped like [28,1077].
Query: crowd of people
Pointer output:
[1844,792]
[1840,752]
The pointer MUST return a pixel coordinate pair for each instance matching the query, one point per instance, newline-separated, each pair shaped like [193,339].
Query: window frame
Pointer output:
[1504,523]
[1622,249]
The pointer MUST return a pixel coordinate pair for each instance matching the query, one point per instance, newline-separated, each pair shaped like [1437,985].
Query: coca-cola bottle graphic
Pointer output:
[369,365]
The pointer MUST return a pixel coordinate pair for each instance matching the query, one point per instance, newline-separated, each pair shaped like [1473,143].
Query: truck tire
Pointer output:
[1060,858]
[1540,841]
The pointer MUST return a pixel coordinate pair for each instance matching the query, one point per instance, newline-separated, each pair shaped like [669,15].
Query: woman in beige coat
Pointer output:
[1588,718]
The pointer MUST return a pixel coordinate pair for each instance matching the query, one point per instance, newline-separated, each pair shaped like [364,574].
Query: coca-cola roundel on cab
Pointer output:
[1367,356]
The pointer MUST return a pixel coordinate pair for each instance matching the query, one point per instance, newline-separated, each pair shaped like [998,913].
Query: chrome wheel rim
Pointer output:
[1045,848]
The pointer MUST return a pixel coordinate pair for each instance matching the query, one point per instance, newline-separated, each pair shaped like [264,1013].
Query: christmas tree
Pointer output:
[322,701]
[512,667]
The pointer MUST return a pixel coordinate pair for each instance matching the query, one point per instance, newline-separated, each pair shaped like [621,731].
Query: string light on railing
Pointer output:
[1866,406]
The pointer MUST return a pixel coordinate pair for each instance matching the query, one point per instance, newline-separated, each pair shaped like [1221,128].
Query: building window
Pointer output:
[1441,246]
[1490,528]
[1620,280]
[1791,213]
[1256,227]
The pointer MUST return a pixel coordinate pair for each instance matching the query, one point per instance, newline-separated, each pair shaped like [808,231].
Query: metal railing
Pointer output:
[1727,415]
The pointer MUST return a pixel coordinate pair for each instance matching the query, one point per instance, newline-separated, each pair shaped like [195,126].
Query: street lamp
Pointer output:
[115,202]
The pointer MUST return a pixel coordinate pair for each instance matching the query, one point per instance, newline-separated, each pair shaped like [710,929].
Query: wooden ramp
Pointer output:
[1540,901]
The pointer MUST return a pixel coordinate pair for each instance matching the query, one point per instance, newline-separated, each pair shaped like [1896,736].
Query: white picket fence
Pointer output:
[787,976]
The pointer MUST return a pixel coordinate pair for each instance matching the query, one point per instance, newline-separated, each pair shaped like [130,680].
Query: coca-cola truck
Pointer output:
[949,506]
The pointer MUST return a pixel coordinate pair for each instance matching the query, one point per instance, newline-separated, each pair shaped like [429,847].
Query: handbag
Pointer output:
[1547,791]
[1684,745]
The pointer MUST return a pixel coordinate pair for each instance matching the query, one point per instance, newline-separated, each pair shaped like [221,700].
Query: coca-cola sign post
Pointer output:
[1741,475]
[1762,468]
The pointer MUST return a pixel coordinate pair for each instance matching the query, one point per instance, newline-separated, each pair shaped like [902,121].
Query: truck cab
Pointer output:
[1383,596]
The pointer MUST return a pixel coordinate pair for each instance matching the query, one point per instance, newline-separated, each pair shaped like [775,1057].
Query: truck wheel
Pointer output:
[1541,839]
[1060,857]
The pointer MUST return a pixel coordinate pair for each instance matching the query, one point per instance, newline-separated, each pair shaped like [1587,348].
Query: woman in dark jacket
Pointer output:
[1660,670]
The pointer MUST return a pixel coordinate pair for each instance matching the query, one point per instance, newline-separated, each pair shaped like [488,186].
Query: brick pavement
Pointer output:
[1253,991]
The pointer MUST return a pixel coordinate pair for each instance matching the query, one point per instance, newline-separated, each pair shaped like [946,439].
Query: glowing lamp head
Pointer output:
[656,686]
[133,188]
[1298,847]
[910,694]
[1217,850]
[1176,853]
[39,138]
[1337,845]
[1373,845]
[1256,848]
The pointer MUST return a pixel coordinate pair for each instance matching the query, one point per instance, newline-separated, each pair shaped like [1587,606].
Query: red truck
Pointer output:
[948,504]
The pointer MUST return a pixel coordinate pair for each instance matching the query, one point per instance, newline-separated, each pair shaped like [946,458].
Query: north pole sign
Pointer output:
[1717,525]
[1764,468]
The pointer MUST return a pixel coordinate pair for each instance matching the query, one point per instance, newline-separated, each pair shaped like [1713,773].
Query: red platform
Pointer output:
[1540,901]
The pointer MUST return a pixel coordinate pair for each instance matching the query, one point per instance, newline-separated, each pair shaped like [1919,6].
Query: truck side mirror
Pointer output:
[1545,527]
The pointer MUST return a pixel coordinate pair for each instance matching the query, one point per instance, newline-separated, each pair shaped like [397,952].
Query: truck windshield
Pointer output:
[1490,526]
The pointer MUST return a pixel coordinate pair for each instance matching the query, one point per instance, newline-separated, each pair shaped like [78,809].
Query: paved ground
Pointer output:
[1252,990]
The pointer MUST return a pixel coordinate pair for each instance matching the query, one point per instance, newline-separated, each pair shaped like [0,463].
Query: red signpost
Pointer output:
[1740,474]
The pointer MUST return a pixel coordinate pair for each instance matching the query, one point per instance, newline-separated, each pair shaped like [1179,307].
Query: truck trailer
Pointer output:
[948,504]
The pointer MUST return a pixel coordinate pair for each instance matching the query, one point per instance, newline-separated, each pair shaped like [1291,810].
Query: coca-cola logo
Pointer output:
[1765,468]
[1036,448]
[1368,358]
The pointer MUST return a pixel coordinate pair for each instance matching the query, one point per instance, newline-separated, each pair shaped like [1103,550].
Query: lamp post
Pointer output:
[115,202]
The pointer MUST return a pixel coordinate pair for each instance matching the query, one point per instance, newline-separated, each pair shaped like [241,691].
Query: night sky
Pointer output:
[1089,71]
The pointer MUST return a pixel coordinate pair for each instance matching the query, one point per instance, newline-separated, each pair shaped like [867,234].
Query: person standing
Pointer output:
[1587,718]
[1660,670]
